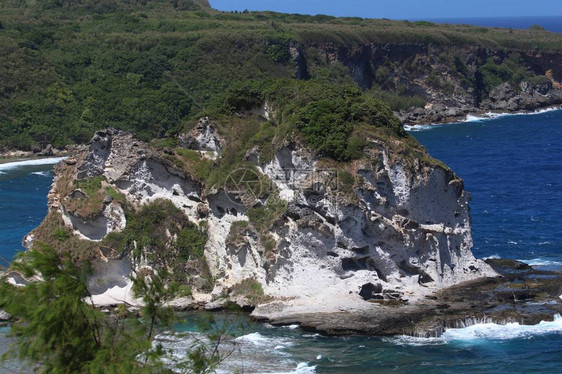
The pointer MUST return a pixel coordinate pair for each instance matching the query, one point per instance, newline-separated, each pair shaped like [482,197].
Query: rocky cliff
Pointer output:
[453,81]
[290,234]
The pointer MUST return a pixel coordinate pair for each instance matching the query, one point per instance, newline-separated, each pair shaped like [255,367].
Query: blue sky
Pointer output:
[401,9]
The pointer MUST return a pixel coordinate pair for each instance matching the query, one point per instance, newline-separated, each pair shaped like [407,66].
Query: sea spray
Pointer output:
[34,162]
[472,118]
[484,329]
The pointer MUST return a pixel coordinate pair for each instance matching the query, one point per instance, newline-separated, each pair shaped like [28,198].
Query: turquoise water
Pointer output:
[480,349]
[513,167]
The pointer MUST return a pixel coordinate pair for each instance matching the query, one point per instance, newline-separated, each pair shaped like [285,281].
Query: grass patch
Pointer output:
[90,186]
[61,235]
[263,217]
[195,163]
[53,232]
[96,190]
[251,289]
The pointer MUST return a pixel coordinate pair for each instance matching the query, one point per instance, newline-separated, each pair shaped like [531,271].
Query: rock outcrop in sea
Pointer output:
[453,81]
[320,240]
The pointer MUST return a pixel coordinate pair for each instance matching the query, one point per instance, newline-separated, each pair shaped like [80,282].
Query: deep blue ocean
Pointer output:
[23,202]
[512,165]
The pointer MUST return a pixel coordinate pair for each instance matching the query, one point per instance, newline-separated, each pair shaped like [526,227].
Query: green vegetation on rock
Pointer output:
[323,112]
[167,237]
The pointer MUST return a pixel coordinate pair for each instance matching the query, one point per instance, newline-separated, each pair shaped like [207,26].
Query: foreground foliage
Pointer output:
[59,331]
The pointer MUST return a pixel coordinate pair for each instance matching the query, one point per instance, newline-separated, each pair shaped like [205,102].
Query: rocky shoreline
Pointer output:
[394,260]
[520,294]
[18,155]
[445,116]
[505,102]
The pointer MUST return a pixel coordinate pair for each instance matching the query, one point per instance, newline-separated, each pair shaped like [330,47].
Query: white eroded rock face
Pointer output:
[402,232]
[203,137]
[110,283]
[407,235]
[112,218]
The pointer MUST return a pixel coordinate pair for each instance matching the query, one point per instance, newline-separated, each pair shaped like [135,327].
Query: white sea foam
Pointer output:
[302,368]
[291,327]
[253,353]
[487,117]
[255,338]
[492,257]
[414,340]
[541,262]
[491,115]
[471,118]
[486,331]
[41,173]
[259,340]
[305,368]
[35,162]
[418,127]
[510,331]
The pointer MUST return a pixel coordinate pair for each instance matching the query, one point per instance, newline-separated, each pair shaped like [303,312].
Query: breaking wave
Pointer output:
[35,162]
[471,118]
[418,127]
[486,331]
[42,173]
[541,262]
[253,352]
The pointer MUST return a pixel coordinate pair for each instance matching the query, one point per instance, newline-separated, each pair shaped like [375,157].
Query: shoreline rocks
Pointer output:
[440,115]
[49,151]
[521,294]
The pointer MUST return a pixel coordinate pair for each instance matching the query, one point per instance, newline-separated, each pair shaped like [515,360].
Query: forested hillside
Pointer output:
[69,67]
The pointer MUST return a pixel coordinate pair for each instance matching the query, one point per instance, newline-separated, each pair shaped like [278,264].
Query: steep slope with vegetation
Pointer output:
[150,67]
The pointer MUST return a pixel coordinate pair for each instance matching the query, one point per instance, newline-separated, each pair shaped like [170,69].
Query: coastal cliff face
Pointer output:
[391,230]
[453,81]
